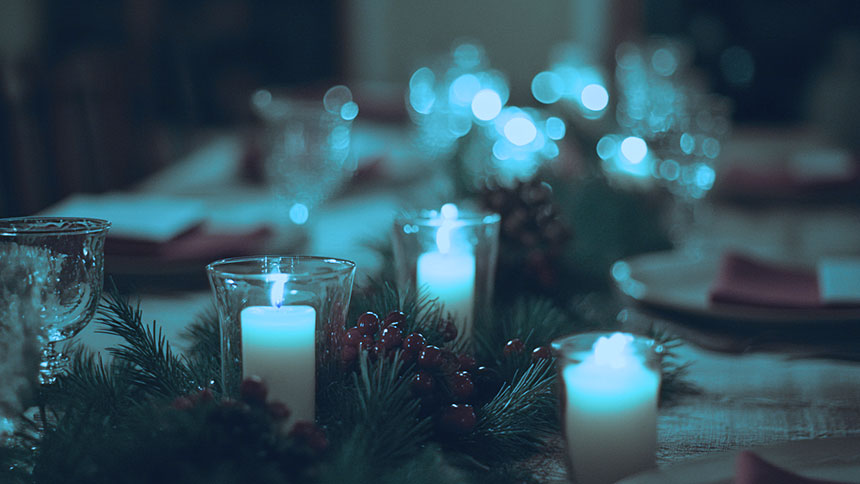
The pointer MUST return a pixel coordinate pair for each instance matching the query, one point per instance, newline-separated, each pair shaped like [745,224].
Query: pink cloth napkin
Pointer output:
[752,469]
[743,280]
[786,178]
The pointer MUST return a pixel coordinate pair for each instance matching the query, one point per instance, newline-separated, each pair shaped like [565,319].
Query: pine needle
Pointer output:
[156,367]
[519,419]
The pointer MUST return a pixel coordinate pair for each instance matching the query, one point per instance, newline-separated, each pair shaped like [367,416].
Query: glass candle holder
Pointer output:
[450,256]
[610,384]
[273,313]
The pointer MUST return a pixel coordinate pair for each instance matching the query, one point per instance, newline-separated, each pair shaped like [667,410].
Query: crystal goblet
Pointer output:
[61,276]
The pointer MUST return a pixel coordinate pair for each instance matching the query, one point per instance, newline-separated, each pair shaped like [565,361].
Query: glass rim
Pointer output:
[432,218]
[73,226]
[337,266]
[573,344]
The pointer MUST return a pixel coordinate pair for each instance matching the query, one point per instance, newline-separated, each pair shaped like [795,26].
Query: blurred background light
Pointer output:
[520,131]
[595,97]
[634,149]
[547,87]
[486,105]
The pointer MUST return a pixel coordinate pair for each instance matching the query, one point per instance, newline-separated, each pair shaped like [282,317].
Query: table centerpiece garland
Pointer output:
[399,398]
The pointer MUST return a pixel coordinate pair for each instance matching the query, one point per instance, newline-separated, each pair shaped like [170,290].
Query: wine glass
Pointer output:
[60,271]
[307,146]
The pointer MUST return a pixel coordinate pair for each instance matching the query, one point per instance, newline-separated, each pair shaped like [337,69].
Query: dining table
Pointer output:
[788,389]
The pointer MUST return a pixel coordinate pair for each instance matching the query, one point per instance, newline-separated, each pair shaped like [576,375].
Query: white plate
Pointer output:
[837,459]
[678,283]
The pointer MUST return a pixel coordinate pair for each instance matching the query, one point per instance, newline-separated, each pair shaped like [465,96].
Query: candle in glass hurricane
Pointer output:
[611,385]
[448,273]
[273,311]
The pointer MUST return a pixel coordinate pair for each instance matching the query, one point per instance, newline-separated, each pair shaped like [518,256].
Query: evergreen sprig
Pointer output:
[156,366]
[519,420]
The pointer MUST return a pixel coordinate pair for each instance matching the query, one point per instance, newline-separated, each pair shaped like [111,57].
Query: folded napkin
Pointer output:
[744,280]
[197,244]
[164,228]
[752,469]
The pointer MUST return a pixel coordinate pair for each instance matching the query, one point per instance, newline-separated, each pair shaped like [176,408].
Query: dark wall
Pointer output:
[113,87]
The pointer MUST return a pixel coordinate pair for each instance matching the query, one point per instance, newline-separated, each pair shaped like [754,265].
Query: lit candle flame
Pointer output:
[276,293]
[614,351]
[449,214]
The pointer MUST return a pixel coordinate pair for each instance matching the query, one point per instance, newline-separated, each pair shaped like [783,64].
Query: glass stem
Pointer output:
[52,364]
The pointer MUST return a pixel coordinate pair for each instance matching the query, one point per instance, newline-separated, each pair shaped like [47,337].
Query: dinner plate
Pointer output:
[836,459]
[676,283]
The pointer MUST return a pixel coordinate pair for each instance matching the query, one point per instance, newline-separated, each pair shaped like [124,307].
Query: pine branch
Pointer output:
[518,420]
[387,410]
[91,385]
[536,322]
[423,313]
[157,368]
[204,349]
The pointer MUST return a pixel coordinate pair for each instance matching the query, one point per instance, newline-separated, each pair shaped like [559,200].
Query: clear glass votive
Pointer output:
[449,255]
[610,384]
[274,312]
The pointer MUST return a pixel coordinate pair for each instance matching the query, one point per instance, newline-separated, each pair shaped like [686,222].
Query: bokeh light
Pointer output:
[486,105]
[463,89]
[595,97]
[547,87]
[634,149]
[299,213]
[520,130]
[555,128]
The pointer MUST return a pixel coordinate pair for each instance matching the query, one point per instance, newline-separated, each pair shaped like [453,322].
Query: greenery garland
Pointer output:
[151,414]
[154,415]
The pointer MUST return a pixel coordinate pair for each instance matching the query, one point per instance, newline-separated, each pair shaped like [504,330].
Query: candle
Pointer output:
[611,412]
[451,279]
[278,346]
[448,273]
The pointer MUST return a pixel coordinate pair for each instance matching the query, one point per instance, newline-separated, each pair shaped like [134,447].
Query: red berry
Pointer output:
[202,396]
[422,383]
[514,347]
[394,317]
[182,403]
[461,385]
[450,362]
[348,354]
[254,390]
[278,410]
[352,337]
[448,330]
[467,362]
[541,353]
[368,323]
[430,357]
[407,356]
[458,418]
[414,342]
[366,342]
[391,337]
[310,434]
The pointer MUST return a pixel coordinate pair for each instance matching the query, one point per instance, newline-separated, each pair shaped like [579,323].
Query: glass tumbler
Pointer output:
[610,383]
[274,314]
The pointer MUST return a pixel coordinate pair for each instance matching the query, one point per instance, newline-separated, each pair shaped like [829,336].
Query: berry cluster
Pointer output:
[442,379]
[254,394]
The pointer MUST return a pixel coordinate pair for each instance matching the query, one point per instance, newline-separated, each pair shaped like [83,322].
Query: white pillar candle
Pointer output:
[451,279]
[611,412]
[448,273]
[278,346]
